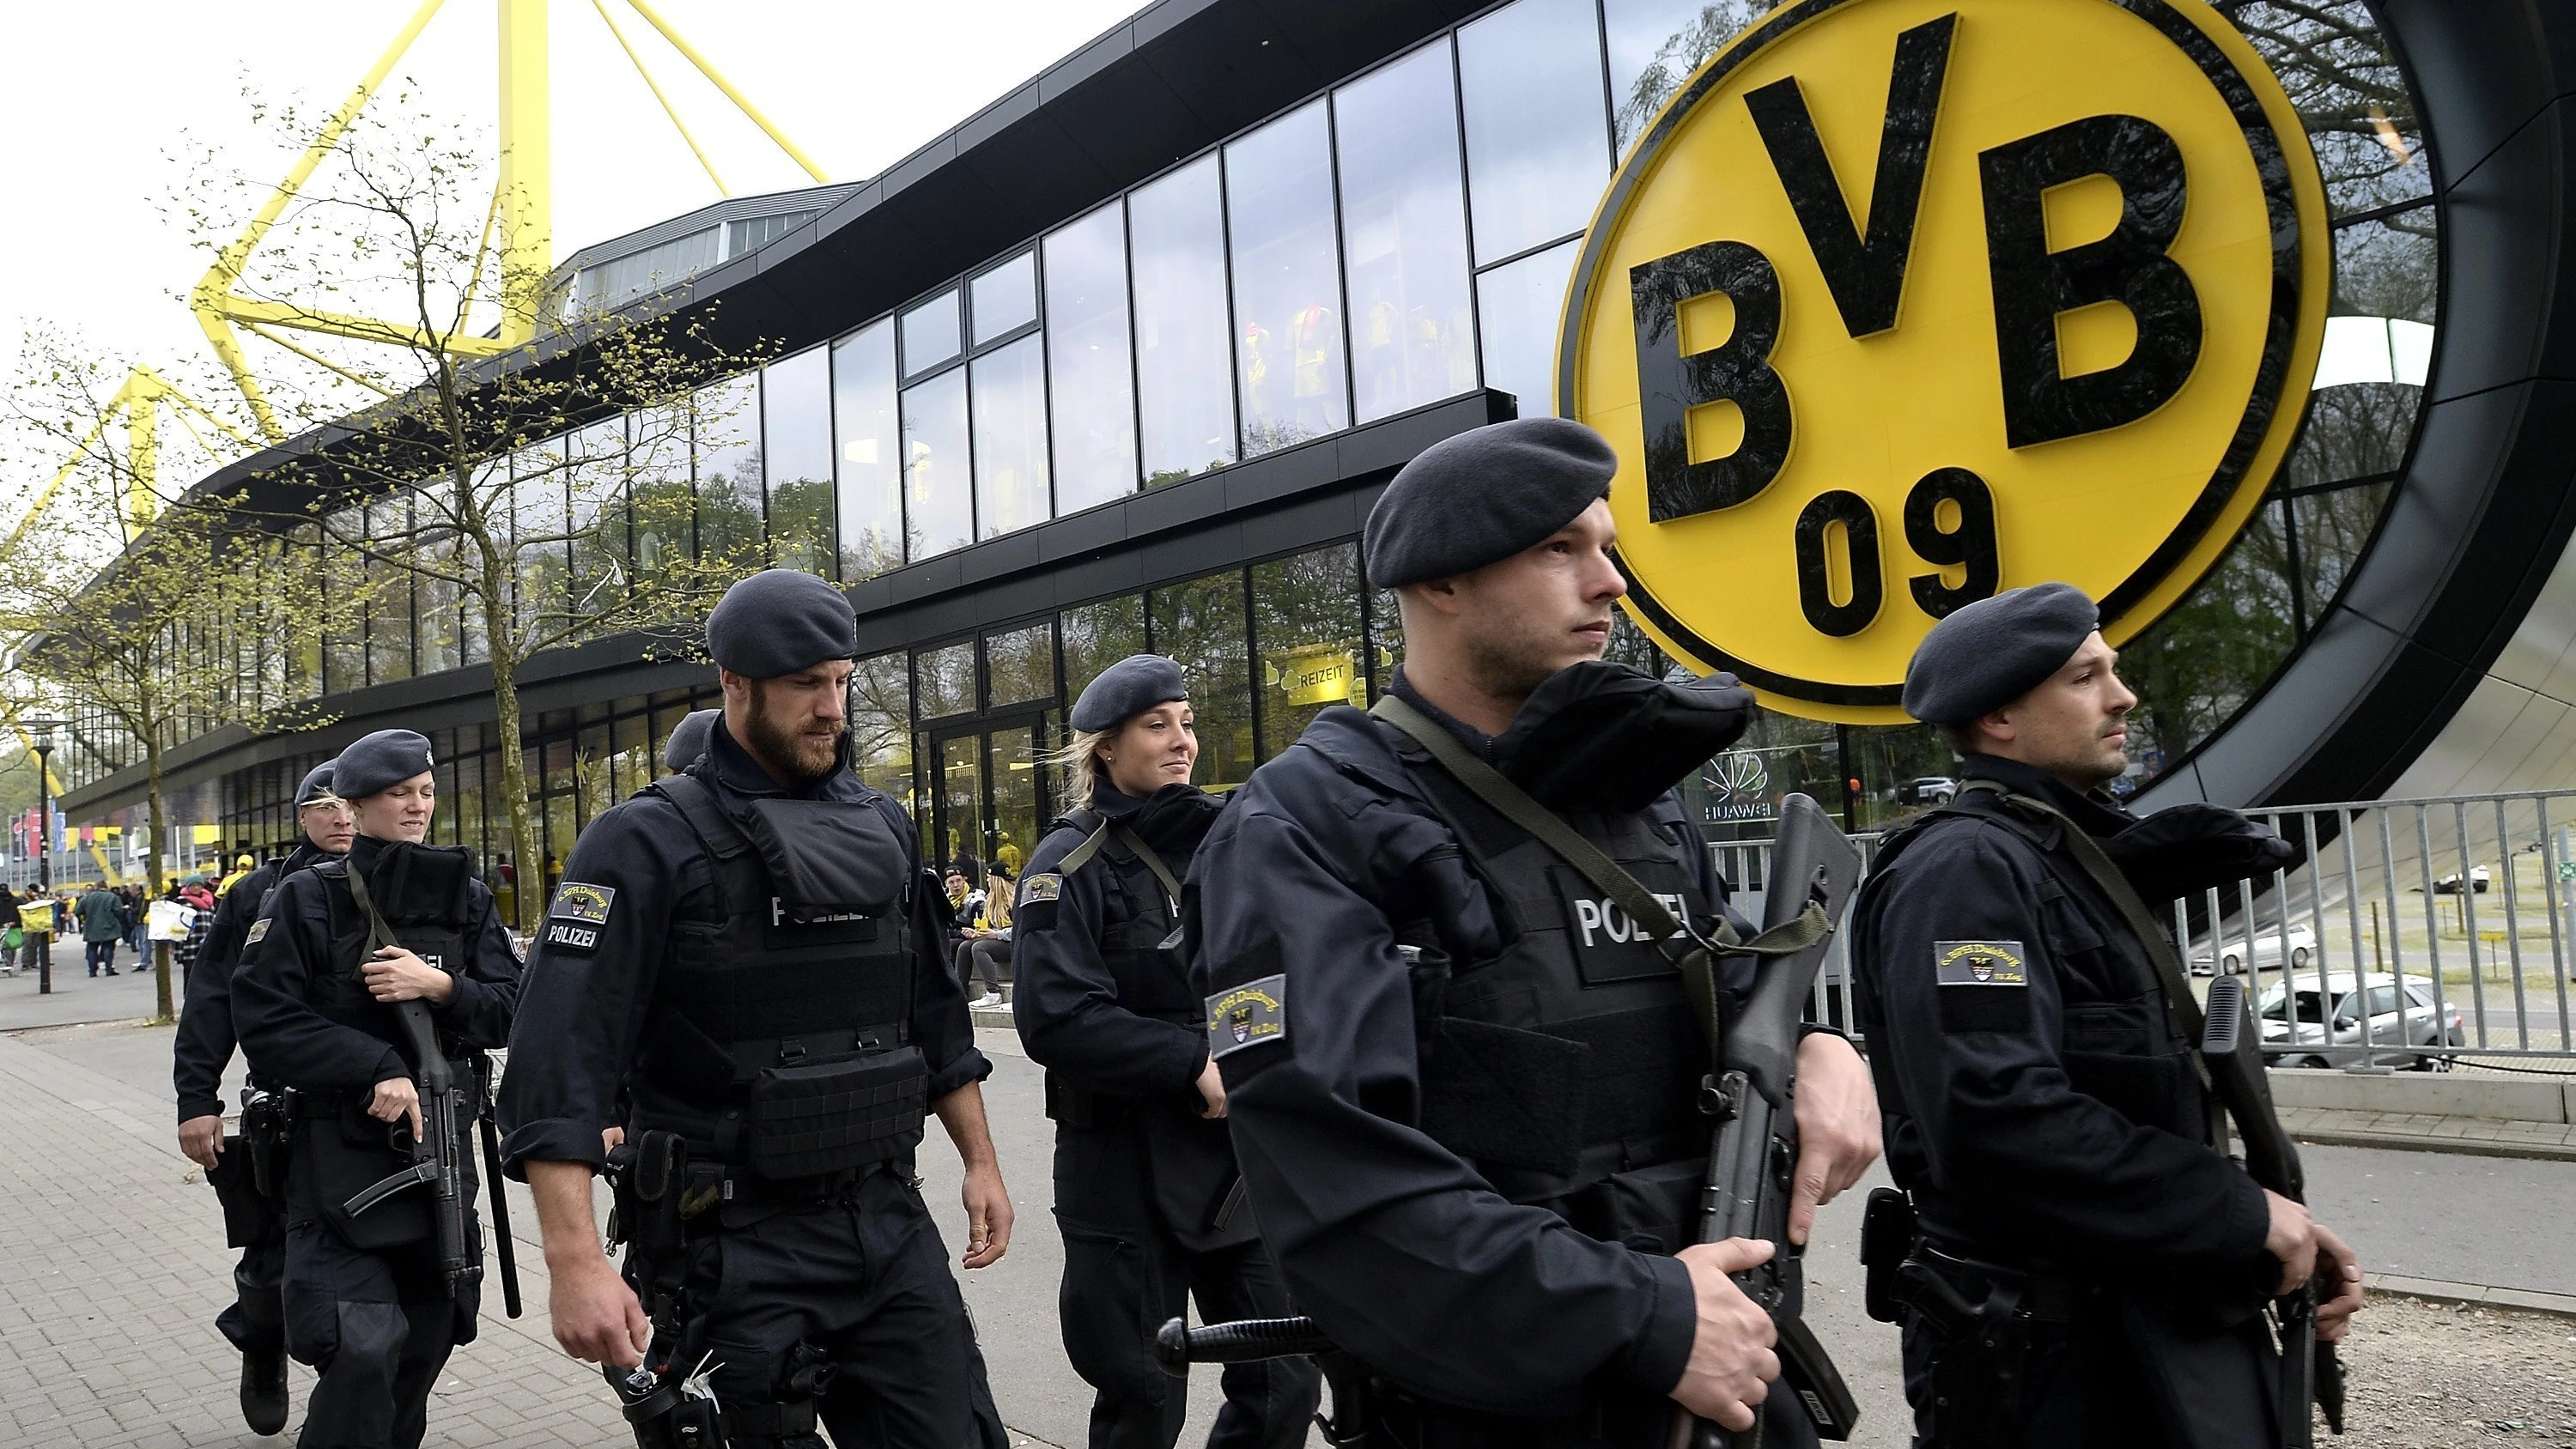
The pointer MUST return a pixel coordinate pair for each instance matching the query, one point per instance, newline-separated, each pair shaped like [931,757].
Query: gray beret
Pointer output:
[1127,689]
[779,621]
[689,740]
[379,761]
[1482,496]
[1992,652]
[316,786]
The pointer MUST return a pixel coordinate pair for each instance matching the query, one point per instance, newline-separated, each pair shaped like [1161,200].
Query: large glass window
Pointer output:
[389,602]
[944,681]
[1538,152]
[595,484]
[729,473]
[1287,296]
[537,508]
[863,427]
[1099,635]
[1176,231]
[1010,438]
[1019,667]
[881,725]
[939,487]
[1306,623]
[796,447]
[1088,360]
[438,603]
[1005,299]
[659,489]
[1518,306]
[1200,625]
[1654,47]
[931,335]
[1404,235]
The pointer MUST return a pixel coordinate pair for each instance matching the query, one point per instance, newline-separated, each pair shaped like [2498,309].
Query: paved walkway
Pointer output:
[2423,1132]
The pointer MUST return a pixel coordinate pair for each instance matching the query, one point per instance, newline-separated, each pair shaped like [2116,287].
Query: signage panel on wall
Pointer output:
[1903,302]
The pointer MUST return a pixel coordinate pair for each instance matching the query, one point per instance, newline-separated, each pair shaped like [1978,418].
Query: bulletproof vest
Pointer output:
[787,1019]
[1566,1067]
[1152,980]
[426,893]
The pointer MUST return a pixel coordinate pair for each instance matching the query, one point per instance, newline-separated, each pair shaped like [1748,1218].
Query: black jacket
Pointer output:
[205,1041]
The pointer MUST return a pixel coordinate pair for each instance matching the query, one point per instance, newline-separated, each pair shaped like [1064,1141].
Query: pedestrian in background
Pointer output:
[102,925]
[984,937]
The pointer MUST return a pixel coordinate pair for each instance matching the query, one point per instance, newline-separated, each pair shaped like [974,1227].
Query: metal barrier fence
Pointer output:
[2411,934]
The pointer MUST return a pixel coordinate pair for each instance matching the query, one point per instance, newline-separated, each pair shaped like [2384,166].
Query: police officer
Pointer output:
[688,740]
[2043,1108]
[752,950]
[366,1303]
[204,1046]
[1146,1191]
[1461,1091]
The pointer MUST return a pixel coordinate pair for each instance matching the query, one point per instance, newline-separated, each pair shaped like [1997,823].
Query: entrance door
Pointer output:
[992,798]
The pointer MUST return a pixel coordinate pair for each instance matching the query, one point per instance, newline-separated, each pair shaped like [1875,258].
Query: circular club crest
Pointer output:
[1900,303]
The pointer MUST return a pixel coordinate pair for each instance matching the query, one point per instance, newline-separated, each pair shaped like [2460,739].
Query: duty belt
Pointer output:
[2043,1296]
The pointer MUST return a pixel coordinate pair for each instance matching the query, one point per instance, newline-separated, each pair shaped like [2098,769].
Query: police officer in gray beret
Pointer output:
[745,970]
[254,1209]
[1460,1081]
[1146,1191]
[2045,1118]
[367,1302]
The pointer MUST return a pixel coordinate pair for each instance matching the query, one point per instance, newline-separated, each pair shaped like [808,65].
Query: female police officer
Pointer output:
[366,1301]
[1146,1191]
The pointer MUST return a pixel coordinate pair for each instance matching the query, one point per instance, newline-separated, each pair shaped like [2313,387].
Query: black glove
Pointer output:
[1601,736]
[1176,818]
[2192,848]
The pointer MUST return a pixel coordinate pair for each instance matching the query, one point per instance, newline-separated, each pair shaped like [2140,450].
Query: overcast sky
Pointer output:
[93,98]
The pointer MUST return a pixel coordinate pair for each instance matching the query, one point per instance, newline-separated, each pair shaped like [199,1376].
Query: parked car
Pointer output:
[2295,947]
[2309,1013]
[1928,790]
[2479,880]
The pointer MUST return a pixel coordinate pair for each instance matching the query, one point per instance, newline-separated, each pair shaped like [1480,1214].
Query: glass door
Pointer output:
[992,798]
[1011,757]
[957,832]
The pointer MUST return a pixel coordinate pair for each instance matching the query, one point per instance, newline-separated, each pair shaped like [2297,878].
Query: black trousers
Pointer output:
[255,1321]
[2135,1377]
[862,1284]
[378,1326]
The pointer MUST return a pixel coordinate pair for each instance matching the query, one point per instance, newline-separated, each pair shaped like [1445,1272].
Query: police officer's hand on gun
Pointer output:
[1731,1363]
[397,1099]
[398,975]
[1837,1127]
[201,1140]
[2299,1241]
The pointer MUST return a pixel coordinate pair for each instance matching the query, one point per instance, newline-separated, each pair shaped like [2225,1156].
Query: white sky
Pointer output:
[94,99]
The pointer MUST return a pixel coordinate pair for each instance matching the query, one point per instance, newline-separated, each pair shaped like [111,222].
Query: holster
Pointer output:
[251,1217]
[648,1180]
[268,1135]
[1983,1319]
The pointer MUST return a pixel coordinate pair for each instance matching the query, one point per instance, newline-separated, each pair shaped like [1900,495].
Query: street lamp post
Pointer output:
[43,731]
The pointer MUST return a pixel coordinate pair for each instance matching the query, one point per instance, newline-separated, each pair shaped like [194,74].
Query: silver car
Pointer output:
[2326,1012]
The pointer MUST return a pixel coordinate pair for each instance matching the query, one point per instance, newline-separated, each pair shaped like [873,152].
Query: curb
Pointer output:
[2426,1142]
[2436,1290]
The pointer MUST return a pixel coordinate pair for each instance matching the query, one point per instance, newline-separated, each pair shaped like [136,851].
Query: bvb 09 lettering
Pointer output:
[1949,515]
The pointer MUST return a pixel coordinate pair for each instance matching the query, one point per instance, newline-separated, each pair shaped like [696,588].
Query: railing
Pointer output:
[2412,934]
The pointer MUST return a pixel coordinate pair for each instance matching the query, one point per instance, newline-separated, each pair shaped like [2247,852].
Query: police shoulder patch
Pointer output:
[258,932]
[583,902]
[566,936]
[1247,1015]
[1979,963]
[1044,886]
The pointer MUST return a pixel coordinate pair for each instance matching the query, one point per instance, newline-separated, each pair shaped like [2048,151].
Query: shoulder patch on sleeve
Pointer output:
[1980,963]
[1247,1015]
[566,936]
[1045,886]
[1040,896]
[258,932]
[583,902]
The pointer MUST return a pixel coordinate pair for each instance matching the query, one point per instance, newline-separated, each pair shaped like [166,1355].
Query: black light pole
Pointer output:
[44,739]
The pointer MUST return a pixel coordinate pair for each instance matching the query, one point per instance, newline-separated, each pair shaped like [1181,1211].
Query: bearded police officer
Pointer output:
[368,1303]
[1460,1087]
[247,1170]
[753,952]
[2106,1266]
[1146,1191]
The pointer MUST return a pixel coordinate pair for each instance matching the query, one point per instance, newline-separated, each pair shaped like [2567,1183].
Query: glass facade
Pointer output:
[1090,360]
[1289,380]
[867,452]
[796,449]
[938,480]
[1184,405]
[1010,438]
[1404,235]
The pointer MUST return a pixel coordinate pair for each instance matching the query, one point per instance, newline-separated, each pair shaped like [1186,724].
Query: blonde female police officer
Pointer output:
[1146,1192]
[366,1303]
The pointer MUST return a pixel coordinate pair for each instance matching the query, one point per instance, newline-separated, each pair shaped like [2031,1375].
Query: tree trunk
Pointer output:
[529,894]
[152,870]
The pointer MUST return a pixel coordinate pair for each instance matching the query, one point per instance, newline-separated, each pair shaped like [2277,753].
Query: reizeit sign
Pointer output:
[1900,303]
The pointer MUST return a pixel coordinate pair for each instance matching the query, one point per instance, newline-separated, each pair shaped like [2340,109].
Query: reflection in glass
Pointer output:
[389,602]
[944,681]
[2339,72]
[1088,361]
[1200,625]
[1019,666]
[1099,635]
[1518,307]
[1306,618]
[1177,233]
[1654,47]
[881,726]
[661,501]
[796,445]
[1287,301]
[438,605]
[939,490]
[728,464]
[595,481]
[930,335]
[2197,665]
[1404,235]
[1011,756]
[1010,438]
[537,513]
[864,437]
[344,573]
[1005,299]
[961,805]
[1538,153]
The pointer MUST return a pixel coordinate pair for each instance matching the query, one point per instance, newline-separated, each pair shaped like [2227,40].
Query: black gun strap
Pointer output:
[379,935]
[2182,1009]
[1514,804]
[1080,856]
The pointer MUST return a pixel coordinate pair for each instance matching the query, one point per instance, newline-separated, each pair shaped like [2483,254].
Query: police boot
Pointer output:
[263,1391]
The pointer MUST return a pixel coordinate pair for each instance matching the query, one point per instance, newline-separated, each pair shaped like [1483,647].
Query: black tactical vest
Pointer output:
[788,1019]
[1152,980]
[1567,1067]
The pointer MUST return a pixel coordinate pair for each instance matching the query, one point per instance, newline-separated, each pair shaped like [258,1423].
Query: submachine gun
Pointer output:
[2310,1370]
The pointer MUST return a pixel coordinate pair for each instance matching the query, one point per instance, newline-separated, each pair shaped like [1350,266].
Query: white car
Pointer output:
[2328,1014]
[2296,948]
[2479,881]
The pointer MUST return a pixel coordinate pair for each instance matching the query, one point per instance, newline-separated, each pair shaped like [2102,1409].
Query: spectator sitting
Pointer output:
[984,939]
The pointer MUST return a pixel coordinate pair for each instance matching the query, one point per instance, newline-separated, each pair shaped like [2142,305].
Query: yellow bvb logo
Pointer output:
[1900,303]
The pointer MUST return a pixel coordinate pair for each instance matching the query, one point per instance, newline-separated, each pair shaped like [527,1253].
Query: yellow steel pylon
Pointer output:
[523,202]
[138,402]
